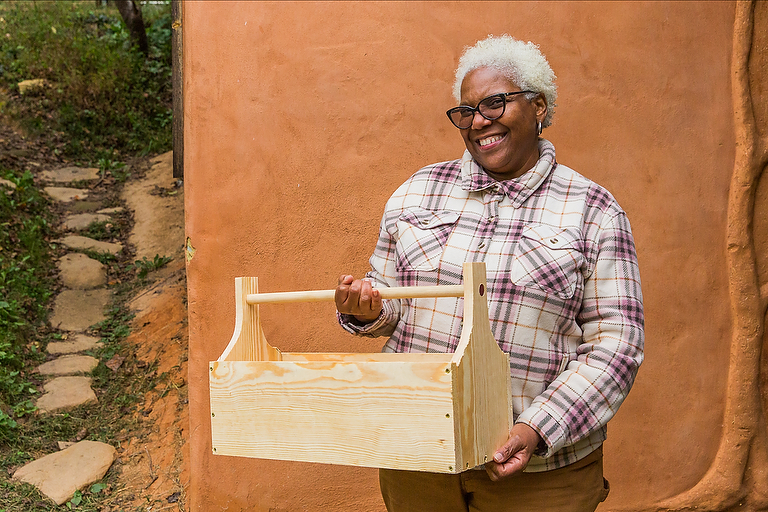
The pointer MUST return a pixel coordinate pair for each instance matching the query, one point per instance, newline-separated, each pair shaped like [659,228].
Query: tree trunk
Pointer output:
[131,14]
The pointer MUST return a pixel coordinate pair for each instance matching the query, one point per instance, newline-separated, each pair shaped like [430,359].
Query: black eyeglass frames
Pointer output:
[490,108]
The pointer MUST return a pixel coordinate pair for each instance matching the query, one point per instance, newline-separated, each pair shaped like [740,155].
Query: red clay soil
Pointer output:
[154,470]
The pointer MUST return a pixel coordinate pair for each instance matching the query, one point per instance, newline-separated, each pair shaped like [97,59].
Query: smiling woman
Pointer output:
[563,289]
[508,146]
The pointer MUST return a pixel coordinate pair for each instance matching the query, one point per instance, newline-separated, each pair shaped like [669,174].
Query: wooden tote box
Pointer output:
[442,413]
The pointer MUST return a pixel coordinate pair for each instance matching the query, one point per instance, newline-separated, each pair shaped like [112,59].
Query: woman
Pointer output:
[563,289]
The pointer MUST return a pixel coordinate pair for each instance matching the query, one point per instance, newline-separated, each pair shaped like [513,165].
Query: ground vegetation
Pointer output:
[96,101]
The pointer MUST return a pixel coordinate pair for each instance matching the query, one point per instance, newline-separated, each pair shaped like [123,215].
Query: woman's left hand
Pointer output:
[513,457]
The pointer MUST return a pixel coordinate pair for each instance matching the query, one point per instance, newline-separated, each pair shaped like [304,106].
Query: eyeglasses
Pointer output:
[491,108]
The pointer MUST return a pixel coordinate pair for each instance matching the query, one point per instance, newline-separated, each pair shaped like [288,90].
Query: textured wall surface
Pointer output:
[301,118]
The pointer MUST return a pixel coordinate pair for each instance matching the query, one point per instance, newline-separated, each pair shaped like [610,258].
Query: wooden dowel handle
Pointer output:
[402,292]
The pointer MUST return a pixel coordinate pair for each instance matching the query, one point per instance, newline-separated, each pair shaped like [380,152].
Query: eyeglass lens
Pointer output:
[490,108]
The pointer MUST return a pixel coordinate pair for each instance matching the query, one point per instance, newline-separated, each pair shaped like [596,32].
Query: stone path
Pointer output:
[79,306]
[61,473]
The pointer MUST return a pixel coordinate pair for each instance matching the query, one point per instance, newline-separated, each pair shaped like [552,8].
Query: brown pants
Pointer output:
[579,487]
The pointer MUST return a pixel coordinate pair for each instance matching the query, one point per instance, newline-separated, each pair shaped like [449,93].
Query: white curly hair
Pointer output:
[522,63]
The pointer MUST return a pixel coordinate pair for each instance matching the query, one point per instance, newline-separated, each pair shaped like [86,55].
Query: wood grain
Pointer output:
[379,414]
[433,412]
[481,381]
[248,342]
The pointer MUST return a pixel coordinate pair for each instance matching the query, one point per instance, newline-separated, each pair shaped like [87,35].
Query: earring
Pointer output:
[538,127]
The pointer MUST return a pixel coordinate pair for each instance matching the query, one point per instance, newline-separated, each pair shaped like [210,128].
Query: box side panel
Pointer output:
[248,342]
[481,379]
[482,407]
[396,415]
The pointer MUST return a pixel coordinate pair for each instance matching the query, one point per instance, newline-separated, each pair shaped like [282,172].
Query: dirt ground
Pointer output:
[154,465]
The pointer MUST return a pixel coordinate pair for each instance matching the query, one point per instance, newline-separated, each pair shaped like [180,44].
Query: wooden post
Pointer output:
[177,82]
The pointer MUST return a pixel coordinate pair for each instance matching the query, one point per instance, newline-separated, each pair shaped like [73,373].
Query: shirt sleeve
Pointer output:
[589,392]
[382,274]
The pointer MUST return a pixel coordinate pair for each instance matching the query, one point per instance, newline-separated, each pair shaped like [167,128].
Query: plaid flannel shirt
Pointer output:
[564,294]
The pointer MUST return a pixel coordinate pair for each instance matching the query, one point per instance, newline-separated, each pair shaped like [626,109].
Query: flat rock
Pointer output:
[79,272]
[66,392]
[68,365]
[65,194]
[7,183]
[116,209]
[60,474]
[76,310]
[80,343]
[83,220]
[85,243]
[69,174]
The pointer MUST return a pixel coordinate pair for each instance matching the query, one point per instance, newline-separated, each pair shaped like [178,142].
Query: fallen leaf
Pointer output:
[114,363]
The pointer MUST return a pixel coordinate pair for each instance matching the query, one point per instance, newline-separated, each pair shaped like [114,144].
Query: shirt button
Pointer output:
[482,244]
[492,218]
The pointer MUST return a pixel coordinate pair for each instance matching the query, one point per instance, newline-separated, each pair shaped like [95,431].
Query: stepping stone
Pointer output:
[60,474]
[69,174]
[79,272]
[68,365]
[83,220]
[65,195]
[76,310]
[7,183]
[66,392]
[116,209]
[81,343]
[85,243]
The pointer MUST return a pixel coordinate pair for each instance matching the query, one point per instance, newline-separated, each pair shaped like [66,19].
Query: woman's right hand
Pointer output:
[358,298]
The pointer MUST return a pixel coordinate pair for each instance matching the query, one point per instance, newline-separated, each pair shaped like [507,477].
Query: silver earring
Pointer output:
[538,127]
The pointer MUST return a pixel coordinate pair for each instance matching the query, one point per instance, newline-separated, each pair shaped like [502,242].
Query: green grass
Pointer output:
[144,266]
[25,266]
[102,96]
[111,420]
[104,103]
[99,230]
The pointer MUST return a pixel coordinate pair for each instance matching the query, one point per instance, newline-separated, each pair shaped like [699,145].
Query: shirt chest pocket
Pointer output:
[549,259]
[421,237]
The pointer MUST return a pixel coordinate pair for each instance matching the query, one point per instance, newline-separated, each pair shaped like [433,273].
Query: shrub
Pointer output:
[101,95]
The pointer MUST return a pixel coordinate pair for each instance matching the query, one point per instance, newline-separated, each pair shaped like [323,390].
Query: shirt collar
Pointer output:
[474,178]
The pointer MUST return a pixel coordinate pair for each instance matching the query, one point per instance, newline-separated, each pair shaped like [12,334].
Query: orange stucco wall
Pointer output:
[301,118]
